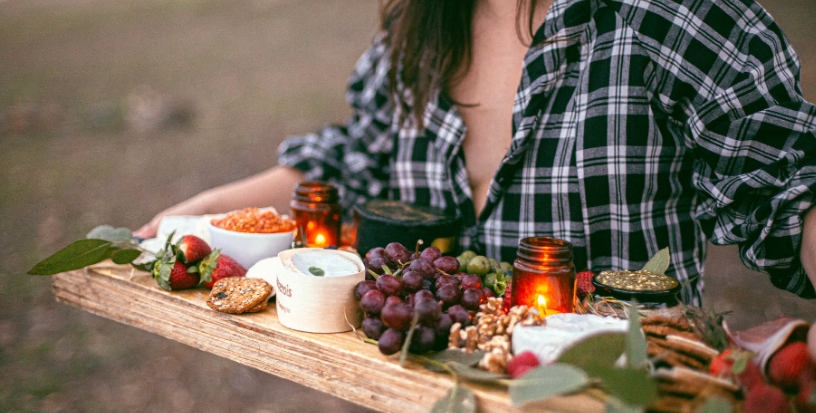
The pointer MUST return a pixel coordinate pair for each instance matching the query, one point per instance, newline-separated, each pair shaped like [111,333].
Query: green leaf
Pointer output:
[474,374]
[455,356]
[146,267]
[207,265]
[615,405]
[125,256]
[458,400]
[635,340]
[317,271]
[76,255]
[109,233]
[659,263]
[546,381]
[716,404]
[408,337]
[632,386]
[600,350]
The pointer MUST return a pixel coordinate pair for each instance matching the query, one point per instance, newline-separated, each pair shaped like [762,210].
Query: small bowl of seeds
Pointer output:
[645,286]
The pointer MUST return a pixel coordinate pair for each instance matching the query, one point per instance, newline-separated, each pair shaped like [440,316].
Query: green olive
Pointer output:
[490,279]
[500,288]
[463,262]
[479,265]
[494,265]
[506,266]
[467,256]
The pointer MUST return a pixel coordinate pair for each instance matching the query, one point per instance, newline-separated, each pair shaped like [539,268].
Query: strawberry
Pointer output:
[217,266]
[583,284]
[806,399]
[751,376]
[764,398]
[788,364]
[721,365]
[521,364]
[192,249]
[172,274]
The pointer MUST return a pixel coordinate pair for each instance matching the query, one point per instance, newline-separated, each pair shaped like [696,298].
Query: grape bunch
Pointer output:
[402,284]
[495,275]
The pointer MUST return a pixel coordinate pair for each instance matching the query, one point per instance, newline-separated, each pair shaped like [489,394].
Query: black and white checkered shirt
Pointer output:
[638,125]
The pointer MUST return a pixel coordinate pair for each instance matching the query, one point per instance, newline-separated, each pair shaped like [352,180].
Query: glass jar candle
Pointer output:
[544,276]
[316,211]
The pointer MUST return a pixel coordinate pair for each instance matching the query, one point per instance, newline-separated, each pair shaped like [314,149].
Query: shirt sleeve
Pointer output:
[752,137]
[353,156]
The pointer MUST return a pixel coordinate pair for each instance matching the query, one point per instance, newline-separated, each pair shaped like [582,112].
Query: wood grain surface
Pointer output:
[339,364]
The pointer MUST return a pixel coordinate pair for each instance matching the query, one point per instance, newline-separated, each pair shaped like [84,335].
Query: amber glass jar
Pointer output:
[544,276]
[316,211]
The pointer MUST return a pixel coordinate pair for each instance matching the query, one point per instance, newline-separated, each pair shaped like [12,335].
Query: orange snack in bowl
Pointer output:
[253,220]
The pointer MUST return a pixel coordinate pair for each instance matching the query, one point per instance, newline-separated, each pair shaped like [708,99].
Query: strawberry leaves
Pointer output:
[207,266]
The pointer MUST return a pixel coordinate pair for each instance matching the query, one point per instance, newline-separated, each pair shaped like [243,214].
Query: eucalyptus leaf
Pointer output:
[474,374]
[659,263]
[546,381]
[109,233]
[125,256]
[600,350]
[316,271]
[455,356]
[78,254]
[146,267]
[615,405]
[716,404]
[458,400]
[635,340]
[632,386]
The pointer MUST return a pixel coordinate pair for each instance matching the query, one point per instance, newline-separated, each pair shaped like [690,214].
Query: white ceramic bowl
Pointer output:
[248,248]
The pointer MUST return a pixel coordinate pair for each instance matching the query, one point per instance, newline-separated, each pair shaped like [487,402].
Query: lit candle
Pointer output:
[544,276]
[320,240]
[542,305]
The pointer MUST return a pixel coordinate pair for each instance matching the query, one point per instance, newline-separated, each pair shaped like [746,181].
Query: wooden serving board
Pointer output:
[338,364]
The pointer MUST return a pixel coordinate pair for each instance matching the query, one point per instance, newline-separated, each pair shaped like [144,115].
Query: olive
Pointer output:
[479,265]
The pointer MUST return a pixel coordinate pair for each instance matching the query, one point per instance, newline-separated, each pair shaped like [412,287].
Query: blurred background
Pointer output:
[113,110]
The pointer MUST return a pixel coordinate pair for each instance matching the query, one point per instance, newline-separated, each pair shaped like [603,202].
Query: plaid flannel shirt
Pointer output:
[638,125]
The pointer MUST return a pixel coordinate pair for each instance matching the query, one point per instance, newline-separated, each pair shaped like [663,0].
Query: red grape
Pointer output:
[423,267]
[430,254]
[429,311]
[459,315]
[447,264]
[391,341]
[427,284]
[389,284]
[460,276]
[488,293]
[363,287]
[378,252]
[472,281]
[376,264]
[397,252]
[446,280]
[373,301]
[472,298]
[449,294]
[422,340]
[442,329]
[412,281]
[397,316]
[373,327]
[423,295]
[393,299]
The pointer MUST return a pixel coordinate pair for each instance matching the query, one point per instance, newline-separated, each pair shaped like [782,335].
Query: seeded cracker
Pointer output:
[236,295]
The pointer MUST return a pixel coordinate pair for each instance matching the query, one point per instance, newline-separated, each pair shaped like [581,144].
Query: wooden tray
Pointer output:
[338,364]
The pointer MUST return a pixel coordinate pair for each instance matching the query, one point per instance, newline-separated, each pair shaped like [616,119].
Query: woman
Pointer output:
[634,125]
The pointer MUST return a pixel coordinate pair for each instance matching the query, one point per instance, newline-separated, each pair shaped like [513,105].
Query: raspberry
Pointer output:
[583,284]
[521,364]
[764,398]
[788,364]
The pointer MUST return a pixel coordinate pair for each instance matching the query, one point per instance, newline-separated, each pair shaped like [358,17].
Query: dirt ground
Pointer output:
[113,110]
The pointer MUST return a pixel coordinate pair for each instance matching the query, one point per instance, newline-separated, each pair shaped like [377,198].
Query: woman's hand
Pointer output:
[197,205]
[272,187]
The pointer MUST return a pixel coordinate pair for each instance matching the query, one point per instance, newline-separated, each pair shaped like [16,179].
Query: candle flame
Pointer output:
[541,301]
[320,239]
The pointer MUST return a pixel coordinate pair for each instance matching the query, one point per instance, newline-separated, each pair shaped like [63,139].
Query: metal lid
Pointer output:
[387,211]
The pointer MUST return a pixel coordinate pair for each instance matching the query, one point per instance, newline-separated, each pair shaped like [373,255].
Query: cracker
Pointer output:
[678,323]
[672,404]
[236,295]
[672,357]
[259,307]
[692,347]
[665,330]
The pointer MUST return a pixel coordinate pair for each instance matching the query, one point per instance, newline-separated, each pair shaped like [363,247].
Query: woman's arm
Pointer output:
[272,187]
[808,251]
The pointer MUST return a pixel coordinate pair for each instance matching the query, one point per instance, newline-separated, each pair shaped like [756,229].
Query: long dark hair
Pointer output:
[430,42]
